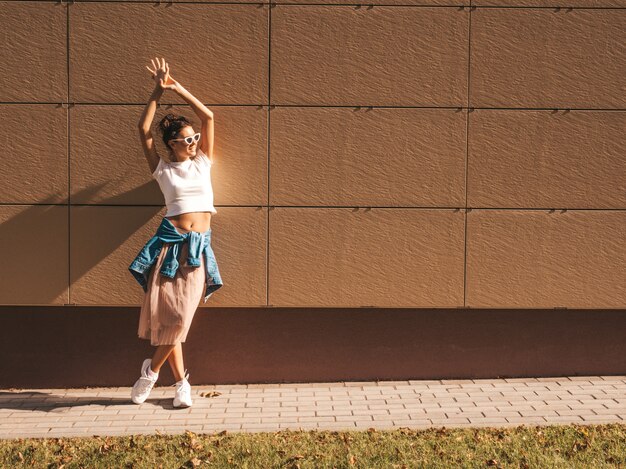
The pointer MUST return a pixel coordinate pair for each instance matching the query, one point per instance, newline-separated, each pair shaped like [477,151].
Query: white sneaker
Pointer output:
[183,393]
[143,386]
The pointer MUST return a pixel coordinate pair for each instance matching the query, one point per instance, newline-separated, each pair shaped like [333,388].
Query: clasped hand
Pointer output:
[161,74]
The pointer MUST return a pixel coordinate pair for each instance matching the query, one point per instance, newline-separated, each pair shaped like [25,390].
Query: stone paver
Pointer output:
[323,406]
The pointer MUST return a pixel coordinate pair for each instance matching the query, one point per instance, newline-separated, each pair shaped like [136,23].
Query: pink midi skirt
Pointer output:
[170,304]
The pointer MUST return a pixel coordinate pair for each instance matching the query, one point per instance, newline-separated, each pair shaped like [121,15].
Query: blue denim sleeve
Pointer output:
[143,262]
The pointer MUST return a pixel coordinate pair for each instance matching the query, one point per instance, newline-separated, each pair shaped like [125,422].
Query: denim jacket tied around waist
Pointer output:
[199,244]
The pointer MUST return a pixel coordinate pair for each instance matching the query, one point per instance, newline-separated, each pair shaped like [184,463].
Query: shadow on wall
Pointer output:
[48,247]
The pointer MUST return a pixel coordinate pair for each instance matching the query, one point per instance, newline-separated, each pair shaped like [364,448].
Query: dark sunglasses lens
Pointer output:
[193,138]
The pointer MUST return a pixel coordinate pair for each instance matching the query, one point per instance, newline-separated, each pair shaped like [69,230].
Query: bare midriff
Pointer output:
[192,221]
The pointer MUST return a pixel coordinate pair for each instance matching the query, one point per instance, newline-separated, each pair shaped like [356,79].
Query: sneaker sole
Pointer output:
[136,400]
[182,405]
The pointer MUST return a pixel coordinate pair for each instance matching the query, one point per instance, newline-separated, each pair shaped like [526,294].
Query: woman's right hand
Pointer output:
[161,74]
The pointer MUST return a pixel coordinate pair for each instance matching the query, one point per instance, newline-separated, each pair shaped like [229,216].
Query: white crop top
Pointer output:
[186,185]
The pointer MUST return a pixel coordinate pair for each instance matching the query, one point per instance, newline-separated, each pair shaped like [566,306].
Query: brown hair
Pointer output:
[170,125]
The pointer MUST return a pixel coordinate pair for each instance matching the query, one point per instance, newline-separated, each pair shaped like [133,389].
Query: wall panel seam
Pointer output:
[467,118]
[268,133]
[69,172]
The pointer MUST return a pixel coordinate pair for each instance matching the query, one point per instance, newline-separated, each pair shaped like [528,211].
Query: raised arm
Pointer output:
[160,75]
[205,116]
[145,121]
[145,134]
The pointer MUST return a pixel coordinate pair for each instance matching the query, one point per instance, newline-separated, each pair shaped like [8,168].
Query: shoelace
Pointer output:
[144,384]
[181,387]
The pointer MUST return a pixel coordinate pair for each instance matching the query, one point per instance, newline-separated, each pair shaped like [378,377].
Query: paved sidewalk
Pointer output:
[323,406]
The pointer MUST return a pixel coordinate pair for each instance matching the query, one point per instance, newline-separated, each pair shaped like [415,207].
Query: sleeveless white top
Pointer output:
[186,185]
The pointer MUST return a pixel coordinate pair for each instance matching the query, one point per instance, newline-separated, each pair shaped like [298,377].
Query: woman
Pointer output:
[177,266]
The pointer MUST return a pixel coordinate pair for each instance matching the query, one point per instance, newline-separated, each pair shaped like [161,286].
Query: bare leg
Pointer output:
[176,361]
[160,355]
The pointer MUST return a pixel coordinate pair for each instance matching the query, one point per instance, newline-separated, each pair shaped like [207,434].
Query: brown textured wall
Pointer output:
[420,154]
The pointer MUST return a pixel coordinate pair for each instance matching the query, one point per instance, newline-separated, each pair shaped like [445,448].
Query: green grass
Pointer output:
[571,446]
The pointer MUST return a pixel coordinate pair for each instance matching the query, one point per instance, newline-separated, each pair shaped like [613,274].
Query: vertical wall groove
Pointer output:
[468,117]
[69,172]
[269,123]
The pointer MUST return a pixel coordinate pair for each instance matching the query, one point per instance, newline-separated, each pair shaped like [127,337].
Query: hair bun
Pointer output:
[167,121]
[171,124]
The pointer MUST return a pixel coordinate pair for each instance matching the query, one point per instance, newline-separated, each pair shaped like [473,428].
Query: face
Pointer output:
[181,149]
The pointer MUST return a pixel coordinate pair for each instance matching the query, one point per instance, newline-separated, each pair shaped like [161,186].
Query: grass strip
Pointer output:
[524,446]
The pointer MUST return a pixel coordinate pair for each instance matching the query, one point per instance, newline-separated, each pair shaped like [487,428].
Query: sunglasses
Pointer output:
[188,140]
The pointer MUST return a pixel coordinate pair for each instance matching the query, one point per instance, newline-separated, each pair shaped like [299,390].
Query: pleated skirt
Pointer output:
[170,304]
